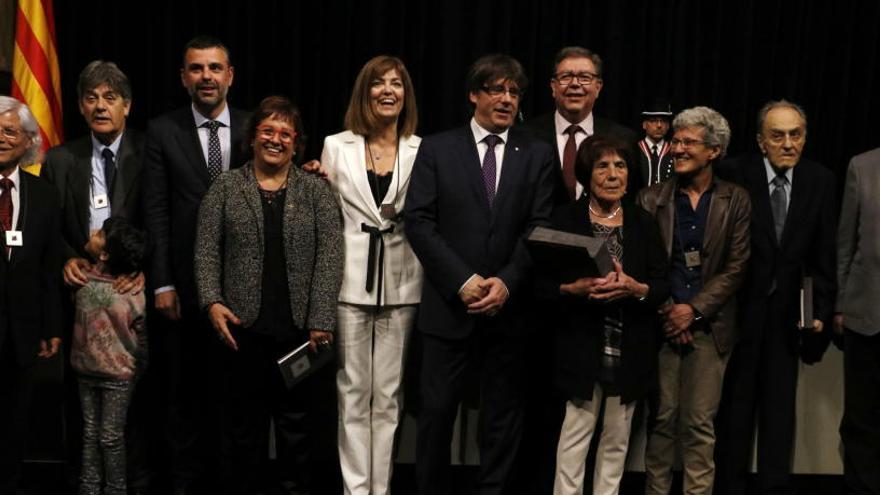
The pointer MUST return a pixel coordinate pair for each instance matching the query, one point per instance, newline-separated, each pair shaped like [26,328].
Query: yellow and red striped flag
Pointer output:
[36,79]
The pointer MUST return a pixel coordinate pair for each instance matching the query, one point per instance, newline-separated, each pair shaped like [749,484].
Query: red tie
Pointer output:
[568,156]
[6,186]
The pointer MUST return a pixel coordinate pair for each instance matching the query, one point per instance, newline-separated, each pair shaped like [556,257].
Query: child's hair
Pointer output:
[124,245]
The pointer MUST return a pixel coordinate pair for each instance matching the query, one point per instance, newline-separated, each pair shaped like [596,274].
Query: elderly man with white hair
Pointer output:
[29,266]
[704,222]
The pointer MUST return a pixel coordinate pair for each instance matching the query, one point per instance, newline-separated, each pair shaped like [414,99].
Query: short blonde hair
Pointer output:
[360,118]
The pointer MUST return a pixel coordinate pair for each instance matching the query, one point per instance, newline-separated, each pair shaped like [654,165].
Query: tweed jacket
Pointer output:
[726,250]
[230,247]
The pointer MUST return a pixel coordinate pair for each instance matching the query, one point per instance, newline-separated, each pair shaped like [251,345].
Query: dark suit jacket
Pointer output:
[176,179]
[30,301]
[544,128]
[644,163]
[455,234]
[69,167]
[808,243]
[725,253]
[579,335]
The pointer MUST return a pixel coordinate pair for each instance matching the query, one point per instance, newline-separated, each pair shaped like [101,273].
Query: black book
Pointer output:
[566,257]
[301,363]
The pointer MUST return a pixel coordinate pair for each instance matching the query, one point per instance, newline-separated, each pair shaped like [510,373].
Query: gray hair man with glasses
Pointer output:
[704,222]
[575,86]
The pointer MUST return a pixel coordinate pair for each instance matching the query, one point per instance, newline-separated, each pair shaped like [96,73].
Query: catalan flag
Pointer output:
[36,79]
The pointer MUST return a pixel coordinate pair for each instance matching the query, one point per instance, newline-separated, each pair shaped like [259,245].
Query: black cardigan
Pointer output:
[579,323]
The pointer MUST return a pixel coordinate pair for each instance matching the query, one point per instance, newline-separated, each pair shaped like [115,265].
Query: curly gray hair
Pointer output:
[716,130]
[29,126]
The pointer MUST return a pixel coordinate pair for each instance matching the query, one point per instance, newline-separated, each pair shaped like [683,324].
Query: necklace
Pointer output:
[376,156]
[600,215]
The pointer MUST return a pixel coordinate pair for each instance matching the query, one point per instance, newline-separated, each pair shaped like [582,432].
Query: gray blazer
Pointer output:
[229,248]
[858,245]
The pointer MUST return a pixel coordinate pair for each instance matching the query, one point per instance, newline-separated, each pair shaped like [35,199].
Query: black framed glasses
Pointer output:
[498,91]
[583,78]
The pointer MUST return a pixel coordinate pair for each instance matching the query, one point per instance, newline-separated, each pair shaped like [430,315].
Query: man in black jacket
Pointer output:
[793,229]
[575,85]
[186,150]
[98,176]
[29,266]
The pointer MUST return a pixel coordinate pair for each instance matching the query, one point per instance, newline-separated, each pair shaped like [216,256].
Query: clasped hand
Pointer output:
[616,285]
[484,296]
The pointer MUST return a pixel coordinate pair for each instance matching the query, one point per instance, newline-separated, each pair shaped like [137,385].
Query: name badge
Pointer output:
[14,238]
[387,211]
[101,201]
[692,259]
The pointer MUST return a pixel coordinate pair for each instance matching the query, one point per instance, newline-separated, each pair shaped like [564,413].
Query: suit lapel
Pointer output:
[355,164]
[188,139]
[408,149]
[126,173]
[23,224]
[762,216]
[469,159]
[800,185]
[80,185]
[511,169]
[719,207]
[251,194]
[665,214]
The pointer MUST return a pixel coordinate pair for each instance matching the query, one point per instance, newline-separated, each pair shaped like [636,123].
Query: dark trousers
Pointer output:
[16,391]
[254,392]
[860,428]
[186,360]
[760,387]
[445,365]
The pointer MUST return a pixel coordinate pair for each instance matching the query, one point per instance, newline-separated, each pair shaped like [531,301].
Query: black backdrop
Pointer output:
[730,55]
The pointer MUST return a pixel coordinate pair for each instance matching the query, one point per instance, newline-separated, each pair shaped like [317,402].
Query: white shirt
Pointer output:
[650,144]
[562,125]
[15,177]
[482,147]
[771,173]
[223,132]
[98,215]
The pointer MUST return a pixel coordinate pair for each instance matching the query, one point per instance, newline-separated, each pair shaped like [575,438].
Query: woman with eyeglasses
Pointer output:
[268,266]
[368,166]
[606,343]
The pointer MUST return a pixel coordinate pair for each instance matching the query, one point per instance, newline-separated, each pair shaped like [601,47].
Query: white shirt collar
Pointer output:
[561,124]
[480,133]
[98,146]
[15,177]
[223,118]
[771,172]
[650,142]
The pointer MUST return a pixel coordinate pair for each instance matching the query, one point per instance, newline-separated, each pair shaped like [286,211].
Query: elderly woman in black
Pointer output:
[606,344]
[268,268]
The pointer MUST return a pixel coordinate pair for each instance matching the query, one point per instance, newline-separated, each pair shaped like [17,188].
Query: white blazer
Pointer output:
[345,161]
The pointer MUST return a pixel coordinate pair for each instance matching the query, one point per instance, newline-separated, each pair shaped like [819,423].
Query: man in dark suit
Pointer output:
[474,193]
[29,265]
[575,85]
[793,229]
[655,157]
[186,150]
[98,176]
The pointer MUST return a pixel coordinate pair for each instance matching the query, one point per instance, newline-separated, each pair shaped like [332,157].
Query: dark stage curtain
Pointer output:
[730,55]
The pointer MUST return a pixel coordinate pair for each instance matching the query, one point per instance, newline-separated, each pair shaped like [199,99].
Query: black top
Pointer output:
[379,184]
[687,237]
[579,325]
[275,316]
